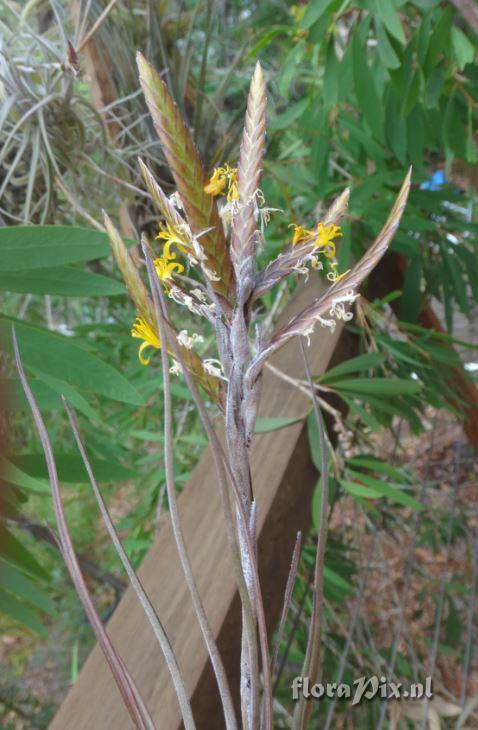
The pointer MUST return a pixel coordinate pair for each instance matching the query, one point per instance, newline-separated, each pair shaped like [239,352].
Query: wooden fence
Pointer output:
[284,478]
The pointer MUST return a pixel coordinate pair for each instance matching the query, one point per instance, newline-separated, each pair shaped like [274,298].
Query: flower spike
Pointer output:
[183,159]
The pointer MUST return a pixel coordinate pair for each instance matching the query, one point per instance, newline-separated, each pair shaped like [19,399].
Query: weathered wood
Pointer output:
[283,478]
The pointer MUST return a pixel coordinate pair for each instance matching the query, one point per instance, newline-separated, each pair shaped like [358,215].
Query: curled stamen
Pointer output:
[143,330]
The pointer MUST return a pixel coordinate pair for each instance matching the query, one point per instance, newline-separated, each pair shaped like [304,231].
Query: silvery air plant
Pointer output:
[204,259]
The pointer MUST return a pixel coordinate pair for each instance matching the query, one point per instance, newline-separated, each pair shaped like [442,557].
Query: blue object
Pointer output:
[436,182]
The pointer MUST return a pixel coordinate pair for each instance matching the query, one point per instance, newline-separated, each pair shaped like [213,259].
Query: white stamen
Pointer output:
[175,368]
[175,200]
[188,341]
[199,294]
[214,367]
[211,275]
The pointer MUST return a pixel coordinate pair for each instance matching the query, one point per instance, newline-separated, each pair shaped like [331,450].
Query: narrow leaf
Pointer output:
[60,281]
[37,247]
[263,425]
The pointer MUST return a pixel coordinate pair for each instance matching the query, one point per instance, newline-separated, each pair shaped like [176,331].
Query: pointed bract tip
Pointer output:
[406,184]
[142,64]
[258,74]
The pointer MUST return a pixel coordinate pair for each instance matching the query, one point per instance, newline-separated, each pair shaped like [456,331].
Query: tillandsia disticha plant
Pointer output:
[210,233]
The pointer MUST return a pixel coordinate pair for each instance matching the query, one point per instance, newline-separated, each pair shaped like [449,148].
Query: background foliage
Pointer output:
[358,92]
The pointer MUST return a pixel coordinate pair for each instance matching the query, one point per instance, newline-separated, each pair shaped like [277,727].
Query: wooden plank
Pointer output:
[283,478]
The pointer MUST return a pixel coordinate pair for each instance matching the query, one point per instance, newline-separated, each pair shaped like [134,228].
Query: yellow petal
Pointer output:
[142,348]
[217,182]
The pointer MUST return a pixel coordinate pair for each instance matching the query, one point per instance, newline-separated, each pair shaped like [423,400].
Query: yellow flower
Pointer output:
[221,177]
[144,331]
[173,235]
[300,234]
[325,234]
[165,264]
[321,238]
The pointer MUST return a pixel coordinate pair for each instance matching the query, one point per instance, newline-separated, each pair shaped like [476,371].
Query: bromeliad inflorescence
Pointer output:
[196,226]
[209,264]
[307,243]
[318,241]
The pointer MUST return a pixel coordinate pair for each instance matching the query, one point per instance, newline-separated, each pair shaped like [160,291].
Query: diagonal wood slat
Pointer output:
[284,478]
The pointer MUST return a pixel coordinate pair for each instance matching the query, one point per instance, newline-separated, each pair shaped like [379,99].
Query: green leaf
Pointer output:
[411,94]
[366,90]
[180,391]
[452,128]
[263,425]
[266,39]
[410,303]
[11,606]
[400,496]
[463,48]
[281,121]
[434,88]
[61,281]
[331,76]
[368,418]
[378,386]
[457,280]
[314,440]
[143,435]
[377,489]
[438,39]
[470,148]
[354,365]
[416,135]
[14,581]
[33,247]
[73,398]
[14,552]
[333,577]
[453,624]
[385,49]
[390,18]
[14,475]
[366,461]
[289,67]
[395,128]
[423,38]
[46,398]
[71,469]
[358,490]
[315,10]
[62,358]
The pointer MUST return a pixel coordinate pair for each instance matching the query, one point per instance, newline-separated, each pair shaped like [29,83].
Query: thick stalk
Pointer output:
[213,651]
[237,441]
[248,554]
